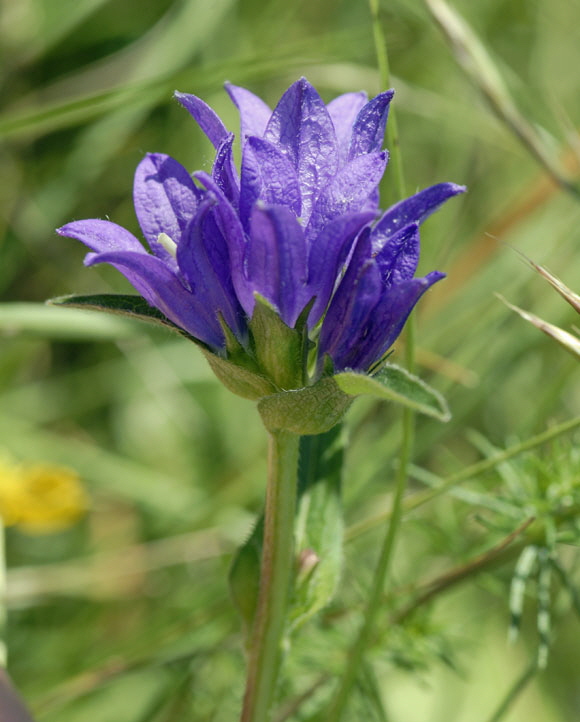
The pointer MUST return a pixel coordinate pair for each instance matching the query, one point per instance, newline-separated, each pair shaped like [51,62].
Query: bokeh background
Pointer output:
[125,614]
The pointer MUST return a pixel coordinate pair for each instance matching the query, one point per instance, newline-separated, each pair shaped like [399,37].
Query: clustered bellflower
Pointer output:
[298,226]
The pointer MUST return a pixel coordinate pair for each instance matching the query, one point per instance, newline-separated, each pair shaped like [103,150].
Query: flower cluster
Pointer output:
[298,226]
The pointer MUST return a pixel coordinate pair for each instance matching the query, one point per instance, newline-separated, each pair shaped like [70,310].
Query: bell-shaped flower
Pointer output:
[296,227]
[322,163]
[187,274]
[378,290]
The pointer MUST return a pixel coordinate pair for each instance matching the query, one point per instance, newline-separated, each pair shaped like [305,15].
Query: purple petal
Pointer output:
[302,129]
[348,191]
[399,257]
[352,304]
[102,236]
[203,259]
[165,199]
[372,202]
[388,318]
[343,111]
[161,288]
[228,222]
[207,119]
[276,260]
[254,113]
[328,253]
[369,127]
[224,171]
[416,208]
[267,175]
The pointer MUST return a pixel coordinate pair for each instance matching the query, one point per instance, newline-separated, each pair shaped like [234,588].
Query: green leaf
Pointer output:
[244,577]
[310,410]
[121,304]
[61,323]
[396,384]
[319,525]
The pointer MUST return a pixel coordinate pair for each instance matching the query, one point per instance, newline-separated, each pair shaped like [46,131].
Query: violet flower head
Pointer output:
[186,276]
[378,290]
[307,186]
[296,227]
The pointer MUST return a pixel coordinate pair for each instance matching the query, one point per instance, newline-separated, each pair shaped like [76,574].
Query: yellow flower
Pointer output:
[40,498]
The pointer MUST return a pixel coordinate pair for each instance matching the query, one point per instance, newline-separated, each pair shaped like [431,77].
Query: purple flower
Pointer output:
[295,227]
[187,276]
[308,185]
[378,290]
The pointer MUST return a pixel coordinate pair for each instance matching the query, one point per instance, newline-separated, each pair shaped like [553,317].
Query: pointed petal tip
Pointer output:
[70,230]
[303,84]
[387,94]
[433,277]
[231,88]
[91,259]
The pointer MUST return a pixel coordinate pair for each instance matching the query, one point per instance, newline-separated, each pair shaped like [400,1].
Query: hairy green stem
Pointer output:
[375,599]
[275,577]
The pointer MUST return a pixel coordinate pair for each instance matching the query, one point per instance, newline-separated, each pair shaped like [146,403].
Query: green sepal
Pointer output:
[310,410]
[279,349]
[319,525]
[327,366]
[240,380]
[393,383]
[122,305]
[235,352]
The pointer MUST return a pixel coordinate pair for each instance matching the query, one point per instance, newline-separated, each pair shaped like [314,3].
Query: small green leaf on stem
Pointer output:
[393,383]
[319,526]
[20,317]
[120,304]
[244,576]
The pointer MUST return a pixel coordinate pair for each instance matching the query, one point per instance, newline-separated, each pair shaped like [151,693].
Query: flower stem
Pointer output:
[275,577]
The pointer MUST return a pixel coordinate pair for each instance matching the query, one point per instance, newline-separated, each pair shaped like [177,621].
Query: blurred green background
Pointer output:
[126,615]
